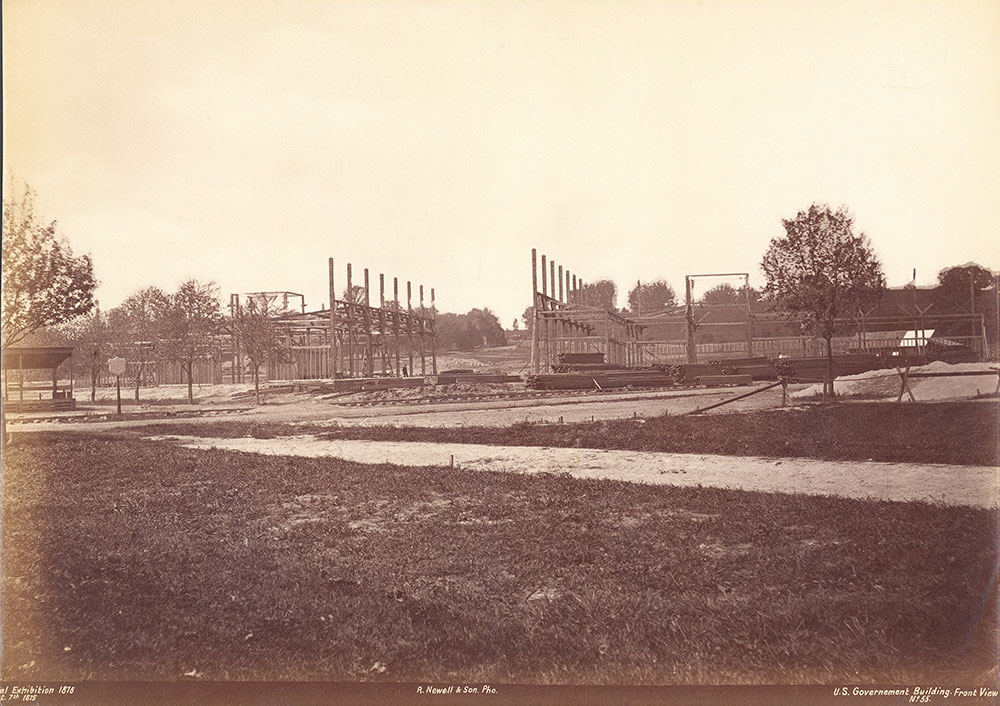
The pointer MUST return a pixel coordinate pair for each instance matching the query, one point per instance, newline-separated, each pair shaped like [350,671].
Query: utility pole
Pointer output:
[689,305]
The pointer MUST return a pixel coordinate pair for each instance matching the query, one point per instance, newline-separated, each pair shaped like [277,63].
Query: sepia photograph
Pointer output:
[500,352]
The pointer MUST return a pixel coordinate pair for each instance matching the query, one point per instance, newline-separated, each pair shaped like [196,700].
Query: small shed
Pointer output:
[36,394]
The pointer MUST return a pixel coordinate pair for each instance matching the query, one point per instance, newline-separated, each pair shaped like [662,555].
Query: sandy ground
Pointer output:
[954,485]
[300,407]
[885,384]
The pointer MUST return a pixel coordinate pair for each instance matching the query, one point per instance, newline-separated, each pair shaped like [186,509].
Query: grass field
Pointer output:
[946,432]
[133,559]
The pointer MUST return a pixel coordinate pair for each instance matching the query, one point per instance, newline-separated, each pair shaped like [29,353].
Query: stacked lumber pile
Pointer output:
[602,380]
[364,384]
[476,378]
[583,363]
[760,368]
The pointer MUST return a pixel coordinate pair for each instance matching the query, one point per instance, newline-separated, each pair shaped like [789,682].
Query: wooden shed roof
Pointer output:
[45,358]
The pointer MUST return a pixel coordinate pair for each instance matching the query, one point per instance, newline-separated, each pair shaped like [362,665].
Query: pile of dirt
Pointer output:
[885,384]
[451,362]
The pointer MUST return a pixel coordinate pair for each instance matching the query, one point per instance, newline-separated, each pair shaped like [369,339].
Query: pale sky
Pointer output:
[439,141]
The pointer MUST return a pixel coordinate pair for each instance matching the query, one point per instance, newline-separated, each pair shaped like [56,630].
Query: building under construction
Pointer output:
[566,321]
[352,338]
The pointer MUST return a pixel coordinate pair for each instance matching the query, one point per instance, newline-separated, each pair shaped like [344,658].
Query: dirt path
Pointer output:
[954,485]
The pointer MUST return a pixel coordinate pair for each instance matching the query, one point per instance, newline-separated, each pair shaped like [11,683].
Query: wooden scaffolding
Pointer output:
[352,338]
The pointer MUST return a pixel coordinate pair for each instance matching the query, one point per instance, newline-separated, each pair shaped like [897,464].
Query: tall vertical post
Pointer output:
[395,320]
[423,360]
[381,321]
[544,321]
[332,367]
[350,321]
[608,323]
[576,293]
[534,312]
[369,368]
[638,312]
[746,288]
[554,325]
[692,356]
[433,319]
[233,300]
[409,325]
[560,323]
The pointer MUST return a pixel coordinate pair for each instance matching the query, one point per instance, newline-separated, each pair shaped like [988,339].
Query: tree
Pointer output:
[356,295]
[136,323]
[964,283]
[259,338]
[721,294]
[728,294]
[528,317]
[43,283]
[821,270]
[90,334]
[488,326]
[466,332]
[651,296]
[602,294]
[189,320]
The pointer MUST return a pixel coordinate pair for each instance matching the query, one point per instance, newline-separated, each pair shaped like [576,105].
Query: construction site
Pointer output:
[381,339]
[373,466]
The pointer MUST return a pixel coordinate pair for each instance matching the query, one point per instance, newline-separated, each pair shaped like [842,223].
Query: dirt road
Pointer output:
[954,485]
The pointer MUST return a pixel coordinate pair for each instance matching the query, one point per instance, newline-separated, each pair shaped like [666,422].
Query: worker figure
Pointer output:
[405,372]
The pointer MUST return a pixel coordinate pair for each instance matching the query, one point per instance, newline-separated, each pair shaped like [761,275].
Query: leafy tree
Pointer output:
[528,317]
[652,296]
[90,335]
[259,338]
[602,294]
[356,295]
[43,283]
[963,284]
[456,332]
[821,270]
[189,320]
[466,332]
[488,326]
[136,324]
[728,294]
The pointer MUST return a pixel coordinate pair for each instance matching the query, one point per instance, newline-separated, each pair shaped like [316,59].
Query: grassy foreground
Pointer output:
[966,433]
[129,559]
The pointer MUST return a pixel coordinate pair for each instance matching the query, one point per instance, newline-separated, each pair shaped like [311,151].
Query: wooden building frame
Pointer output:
[352,338]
